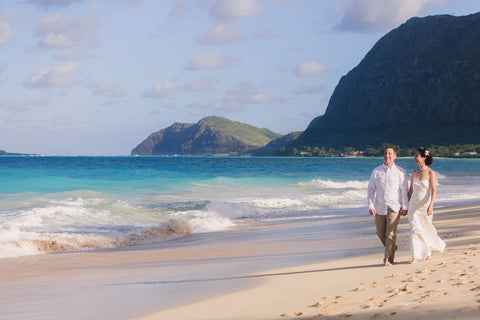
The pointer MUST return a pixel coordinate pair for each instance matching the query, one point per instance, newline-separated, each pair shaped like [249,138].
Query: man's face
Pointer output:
[389,157]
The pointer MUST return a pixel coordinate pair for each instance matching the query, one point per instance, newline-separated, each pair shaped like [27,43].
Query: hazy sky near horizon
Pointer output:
[80,77]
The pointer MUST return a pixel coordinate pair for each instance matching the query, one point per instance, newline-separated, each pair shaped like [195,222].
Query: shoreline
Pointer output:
[447,287]
[270,271]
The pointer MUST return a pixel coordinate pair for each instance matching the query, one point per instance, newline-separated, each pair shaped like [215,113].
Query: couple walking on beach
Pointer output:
[389,197]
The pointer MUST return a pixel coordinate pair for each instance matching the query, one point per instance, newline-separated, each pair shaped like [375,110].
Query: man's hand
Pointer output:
[403,212]
[372,212]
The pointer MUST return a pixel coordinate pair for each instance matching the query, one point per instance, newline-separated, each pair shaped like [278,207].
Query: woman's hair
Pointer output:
[425,153]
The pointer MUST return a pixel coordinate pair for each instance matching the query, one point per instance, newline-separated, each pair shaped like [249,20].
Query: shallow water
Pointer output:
[63,204]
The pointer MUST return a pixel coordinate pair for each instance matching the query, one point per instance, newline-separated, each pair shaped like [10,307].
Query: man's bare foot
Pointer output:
[413,261]
[430,257]
[387,264]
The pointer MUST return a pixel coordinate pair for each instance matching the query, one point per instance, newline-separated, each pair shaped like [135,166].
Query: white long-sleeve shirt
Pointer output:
[388,187]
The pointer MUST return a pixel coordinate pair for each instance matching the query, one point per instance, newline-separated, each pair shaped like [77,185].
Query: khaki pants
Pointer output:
[387,232]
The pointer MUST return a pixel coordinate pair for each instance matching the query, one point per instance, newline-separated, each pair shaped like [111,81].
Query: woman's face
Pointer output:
[419,160]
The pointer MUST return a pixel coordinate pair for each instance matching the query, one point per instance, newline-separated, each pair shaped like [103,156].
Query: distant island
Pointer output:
[418,86]
[5,153]
[209,136]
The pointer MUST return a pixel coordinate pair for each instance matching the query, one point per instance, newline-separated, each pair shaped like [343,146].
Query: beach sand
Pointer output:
[235,275]
[447,287]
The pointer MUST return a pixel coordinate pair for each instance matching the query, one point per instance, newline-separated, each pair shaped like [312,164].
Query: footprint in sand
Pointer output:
[476,289]
[432,294]
[469,309]
[426,271]
[325,304]
[292,314]
[365,286]
[383,315]
[445,280]
[414,279]
[375,302]
[395,275]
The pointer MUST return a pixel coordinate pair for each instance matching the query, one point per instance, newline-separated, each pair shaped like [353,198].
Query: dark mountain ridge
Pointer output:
[418,85]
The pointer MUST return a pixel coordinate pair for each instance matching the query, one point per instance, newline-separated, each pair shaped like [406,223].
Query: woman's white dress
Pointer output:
[423,235]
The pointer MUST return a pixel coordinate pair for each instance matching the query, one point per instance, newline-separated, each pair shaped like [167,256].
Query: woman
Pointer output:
[421,196]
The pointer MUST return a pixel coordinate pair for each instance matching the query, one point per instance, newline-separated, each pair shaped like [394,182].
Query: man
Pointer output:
[387,200]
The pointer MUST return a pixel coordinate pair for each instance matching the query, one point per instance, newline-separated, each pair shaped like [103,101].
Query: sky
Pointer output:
[81,77]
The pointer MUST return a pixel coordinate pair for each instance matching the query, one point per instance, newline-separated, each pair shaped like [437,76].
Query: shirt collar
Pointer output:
[391,167]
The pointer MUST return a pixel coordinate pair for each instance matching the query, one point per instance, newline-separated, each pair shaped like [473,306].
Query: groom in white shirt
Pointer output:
[387,201]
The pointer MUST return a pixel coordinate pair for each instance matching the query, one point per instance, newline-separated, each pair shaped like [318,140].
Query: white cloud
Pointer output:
[57,76]
[310,68]
[265,34]
[6,34]
[53,3]
[238,97]
[219,34]
[374,15]
[73,55]
[109,89]
[129,2]
[210,60]
[21,105]
[59,32]
[310,89]
[202,84]
[161,90]
[228,9]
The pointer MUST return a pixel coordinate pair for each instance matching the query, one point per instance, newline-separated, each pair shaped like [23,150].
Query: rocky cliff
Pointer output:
[418,85]
[211,135]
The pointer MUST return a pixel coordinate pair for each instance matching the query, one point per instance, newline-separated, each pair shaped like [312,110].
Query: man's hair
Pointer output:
[393,148]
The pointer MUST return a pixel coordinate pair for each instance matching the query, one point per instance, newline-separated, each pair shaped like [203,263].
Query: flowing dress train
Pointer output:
[423,235]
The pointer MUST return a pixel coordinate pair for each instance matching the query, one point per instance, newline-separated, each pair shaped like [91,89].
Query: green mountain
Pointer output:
[209,136]
[418,85]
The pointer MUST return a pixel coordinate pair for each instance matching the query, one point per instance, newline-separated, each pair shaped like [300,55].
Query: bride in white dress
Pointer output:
[423,235]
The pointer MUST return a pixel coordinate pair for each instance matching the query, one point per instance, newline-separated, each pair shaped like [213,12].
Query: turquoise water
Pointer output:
[87,203]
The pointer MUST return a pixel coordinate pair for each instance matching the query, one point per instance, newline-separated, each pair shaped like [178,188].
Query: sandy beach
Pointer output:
[447,287]
[235,275]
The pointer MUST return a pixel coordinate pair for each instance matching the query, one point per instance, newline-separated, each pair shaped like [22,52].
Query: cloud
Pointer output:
[109,89]
[73,55]
[310,89]
[238,97]
[60,32]
[210,61]
[129,2]
[232,9]
[202,84]
[310,68]
[6,34]
[219,35]
[265,34]
[53,3]
[161,90]
[373,15]
[21,105]
[58,76]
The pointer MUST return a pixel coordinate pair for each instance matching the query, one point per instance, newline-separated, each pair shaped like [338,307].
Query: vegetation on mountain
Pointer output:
[210,136]
[418,86]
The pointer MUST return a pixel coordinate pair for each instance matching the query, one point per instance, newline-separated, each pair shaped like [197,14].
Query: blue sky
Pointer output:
[82,77]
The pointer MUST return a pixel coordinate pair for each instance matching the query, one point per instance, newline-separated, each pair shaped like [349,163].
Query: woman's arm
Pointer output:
[433,192]
[410,191]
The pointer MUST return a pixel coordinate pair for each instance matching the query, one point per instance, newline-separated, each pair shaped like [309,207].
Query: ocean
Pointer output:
[65,204]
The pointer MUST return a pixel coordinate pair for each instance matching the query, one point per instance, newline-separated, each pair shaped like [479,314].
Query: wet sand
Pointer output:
[318,272]
[447,287]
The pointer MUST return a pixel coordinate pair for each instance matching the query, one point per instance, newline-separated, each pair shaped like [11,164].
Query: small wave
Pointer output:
[352,184]
[23,243]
